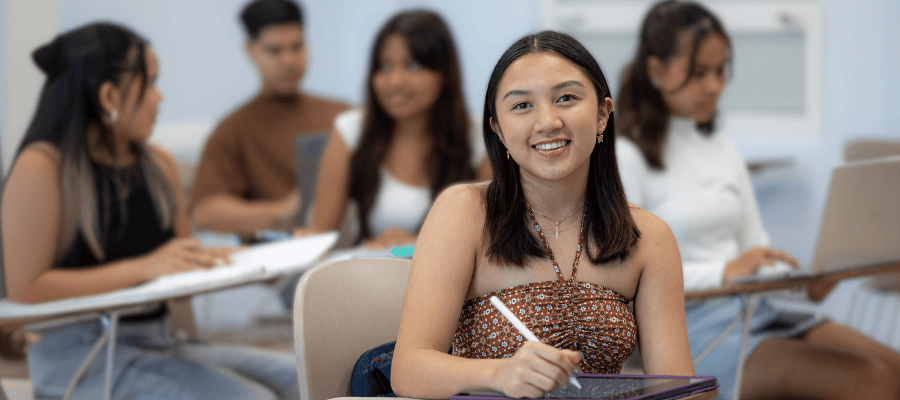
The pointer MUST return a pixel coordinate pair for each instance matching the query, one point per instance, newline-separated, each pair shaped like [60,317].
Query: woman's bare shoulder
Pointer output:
[656,236]
[463,197]
[40,157]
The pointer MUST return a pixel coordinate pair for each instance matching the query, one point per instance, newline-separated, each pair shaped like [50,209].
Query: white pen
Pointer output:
[524,330]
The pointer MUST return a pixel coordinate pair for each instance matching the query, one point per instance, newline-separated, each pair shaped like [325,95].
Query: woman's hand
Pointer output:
[179,255]
[749,262]
[535,369]
[223,254]
[390,238]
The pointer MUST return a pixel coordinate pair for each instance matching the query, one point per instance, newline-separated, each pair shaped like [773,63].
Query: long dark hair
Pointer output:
[431,44]
[643,115]
[610,229]
[76,64]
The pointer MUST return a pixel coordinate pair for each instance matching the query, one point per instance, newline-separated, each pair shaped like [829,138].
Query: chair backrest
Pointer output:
[308,150]
[342,309]
[864,149]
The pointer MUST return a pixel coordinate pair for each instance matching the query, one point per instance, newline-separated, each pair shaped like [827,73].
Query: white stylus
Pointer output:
[524,330]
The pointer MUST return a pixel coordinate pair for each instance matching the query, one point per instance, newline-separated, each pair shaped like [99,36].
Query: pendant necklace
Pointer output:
[556,230]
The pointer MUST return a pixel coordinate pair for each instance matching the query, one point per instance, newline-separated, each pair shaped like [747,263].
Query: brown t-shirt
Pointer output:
[251,152]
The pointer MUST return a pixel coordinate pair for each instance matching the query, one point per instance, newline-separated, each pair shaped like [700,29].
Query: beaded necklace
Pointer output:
[547,246]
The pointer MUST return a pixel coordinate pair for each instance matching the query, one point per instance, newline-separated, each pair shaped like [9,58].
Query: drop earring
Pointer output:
[110,118]
[600,138]
[507,154]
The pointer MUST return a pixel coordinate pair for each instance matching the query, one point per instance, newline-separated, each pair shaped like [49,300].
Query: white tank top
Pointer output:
[398,204]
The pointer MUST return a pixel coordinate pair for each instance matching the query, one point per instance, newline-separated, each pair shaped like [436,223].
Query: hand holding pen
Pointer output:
[536,368]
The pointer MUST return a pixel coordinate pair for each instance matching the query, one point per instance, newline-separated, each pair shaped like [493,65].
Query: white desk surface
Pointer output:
[255,264]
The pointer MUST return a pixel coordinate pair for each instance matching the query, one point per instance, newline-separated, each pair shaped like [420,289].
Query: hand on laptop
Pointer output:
[750,261]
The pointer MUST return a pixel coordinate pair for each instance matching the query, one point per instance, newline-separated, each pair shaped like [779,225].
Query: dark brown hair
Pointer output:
[643,114]
[260,14]
[431,44]
[76,63]
[610,229]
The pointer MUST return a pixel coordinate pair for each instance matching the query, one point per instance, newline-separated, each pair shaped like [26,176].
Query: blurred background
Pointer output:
[809,75]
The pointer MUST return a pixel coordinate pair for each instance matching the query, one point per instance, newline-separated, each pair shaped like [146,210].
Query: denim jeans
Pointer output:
[150,364]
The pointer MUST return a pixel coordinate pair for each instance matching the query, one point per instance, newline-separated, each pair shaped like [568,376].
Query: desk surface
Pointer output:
[746,288]
[255,264]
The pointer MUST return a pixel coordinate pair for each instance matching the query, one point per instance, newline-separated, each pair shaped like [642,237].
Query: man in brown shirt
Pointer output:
[246,181]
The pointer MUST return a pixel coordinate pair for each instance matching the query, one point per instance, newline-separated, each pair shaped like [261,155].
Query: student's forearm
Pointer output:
[429,374]
[63,283]
[244,217]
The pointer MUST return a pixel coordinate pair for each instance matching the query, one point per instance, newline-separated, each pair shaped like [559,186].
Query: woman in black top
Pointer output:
[90,207]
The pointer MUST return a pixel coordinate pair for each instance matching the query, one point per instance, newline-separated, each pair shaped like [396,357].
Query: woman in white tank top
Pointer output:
[412,139]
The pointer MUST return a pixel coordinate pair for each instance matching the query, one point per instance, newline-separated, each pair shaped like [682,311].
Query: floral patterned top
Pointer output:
[566,314]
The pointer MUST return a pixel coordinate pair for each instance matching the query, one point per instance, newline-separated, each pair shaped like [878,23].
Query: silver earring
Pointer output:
[111,118]
[507,154]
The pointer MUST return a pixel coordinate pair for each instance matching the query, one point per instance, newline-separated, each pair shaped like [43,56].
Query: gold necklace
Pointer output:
[556,230]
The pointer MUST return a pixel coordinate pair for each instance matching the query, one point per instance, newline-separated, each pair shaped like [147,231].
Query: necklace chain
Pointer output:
[550,251]
[556,230]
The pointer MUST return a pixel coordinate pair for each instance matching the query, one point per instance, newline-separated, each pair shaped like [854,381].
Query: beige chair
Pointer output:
[341,310]
[882,286]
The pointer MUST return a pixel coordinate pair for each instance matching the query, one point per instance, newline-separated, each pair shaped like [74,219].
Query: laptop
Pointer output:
[861,223]
[308,150]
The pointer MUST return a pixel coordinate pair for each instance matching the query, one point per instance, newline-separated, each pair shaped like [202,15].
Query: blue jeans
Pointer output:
[150,364]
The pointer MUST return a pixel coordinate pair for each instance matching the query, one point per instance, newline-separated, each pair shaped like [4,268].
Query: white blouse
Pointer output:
[704,194]
[398,204]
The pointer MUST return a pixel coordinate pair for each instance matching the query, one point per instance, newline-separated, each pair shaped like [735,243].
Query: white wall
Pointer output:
[4,111]
[205,72]
[29,24]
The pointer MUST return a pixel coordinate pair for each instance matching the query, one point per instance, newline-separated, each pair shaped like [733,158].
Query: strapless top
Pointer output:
[566,314]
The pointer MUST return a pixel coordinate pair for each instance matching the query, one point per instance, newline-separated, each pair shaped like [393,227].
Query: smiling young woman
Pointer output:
[546,107]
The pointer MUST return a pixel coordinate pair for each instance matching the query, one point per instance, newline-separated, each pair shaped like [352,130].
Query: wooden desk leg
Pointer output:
[112,321]
[742,351]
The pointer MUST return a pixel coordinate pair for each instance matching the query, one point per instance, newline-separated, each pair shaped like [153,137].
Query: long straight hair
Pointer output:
[610,229]
[431,44]
[76,64]
[644,116]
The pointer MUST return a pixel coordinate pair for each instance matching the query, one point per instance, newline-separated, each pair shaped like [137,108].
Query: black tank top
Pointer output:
[134,232]
[131,233]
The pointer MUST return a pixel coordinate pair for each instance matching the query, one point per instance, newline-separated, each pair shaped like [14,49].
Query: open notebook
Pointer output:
[861,223]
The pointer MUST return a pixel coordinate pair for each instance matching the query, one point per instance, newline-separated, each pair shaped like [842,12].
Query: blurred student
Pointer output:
[412,139]
[673,165]
[551,236]
[246,179]
[90,207]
